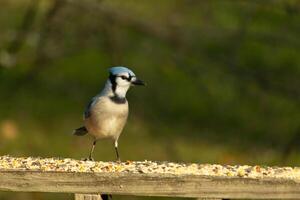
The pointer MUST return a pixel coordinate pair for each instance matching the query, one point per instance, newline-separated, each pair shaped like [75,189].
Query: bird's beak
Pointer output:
[138,82]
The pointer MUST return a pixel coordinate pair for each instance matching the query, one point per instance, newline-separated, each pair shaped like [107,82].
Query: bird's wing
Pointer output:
[87,112]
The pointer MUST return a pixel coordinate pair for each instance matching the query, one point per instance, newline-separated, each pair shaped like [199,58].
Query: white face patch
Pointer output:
[122,84]
[122,80]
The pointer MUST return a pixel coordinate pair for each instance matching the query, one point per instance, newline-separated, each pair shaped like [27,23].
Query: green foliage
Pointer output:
[223,79]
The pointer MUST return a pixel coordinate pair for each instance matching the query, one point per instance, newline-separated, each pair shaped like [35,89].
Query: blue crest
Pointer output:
[119,70]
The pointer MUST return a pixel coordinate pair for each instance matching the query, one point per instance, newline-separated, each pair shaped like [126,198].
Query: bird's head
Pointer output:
[121,78]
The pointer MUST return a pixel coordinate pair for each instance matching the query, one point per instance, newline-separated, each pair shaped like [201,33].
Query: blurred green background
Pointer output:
[223,79]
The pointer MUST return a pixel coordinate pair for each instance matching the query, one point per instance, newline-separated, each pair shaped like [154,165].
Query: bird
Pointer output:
[106,114]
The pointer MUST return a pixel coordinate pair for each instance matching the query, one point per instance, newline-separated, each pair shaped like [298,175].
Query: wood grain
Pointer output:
[149,185]
[88,197]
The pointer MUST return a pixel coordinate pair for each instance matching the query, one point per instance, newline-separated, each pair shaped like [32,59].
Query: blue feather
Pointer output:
[120,70]
[87,112]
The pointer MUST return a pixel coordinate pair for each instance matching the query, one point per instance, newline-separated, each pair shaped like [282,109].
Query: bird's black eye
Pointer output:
[123,77]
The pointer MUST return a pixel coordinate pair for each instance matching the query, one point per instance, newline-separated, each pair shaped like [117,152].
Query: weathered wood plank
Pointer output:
[148,178]
[208,199]
[88,197]
[149,185]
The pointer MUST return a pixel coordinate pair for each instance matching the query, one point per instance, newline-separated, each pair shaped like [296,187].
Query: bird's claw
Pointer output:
[88,159]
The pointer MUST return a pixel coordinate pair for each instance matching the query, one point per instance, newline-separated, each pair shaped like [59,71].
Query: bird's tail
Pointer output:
[80,131]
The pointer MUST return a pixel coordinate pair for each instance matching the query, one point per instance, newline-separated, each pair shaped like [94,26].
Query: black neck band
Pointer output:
[118,100]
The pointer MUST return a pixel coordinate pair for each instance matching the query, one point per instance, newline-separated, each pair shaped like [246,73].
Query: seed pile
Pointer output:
[8,163]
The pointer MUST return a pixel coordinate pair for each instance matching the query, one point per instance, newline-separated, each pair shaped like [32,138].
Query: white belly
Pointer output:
[107,119]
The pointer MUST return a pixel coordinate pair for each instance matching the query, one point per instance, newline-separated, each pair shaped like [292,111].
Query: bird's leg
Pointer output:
[92,150]
[116,148]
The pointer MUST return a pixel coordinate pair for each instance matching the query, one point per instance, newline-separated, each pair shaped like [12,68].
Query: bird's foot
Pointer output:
[88,159]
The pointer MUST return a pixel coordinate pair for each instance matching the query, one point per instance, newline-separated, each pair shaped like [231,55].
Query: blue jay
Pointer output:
[106,114]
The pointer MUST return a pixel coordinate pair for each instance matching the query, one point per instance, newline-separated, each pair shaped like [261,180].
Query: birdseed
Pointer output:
[8,163]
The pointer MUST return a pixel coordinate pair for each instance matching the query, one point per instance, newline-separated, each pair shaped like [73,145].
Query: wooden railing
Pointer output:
[88,179]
